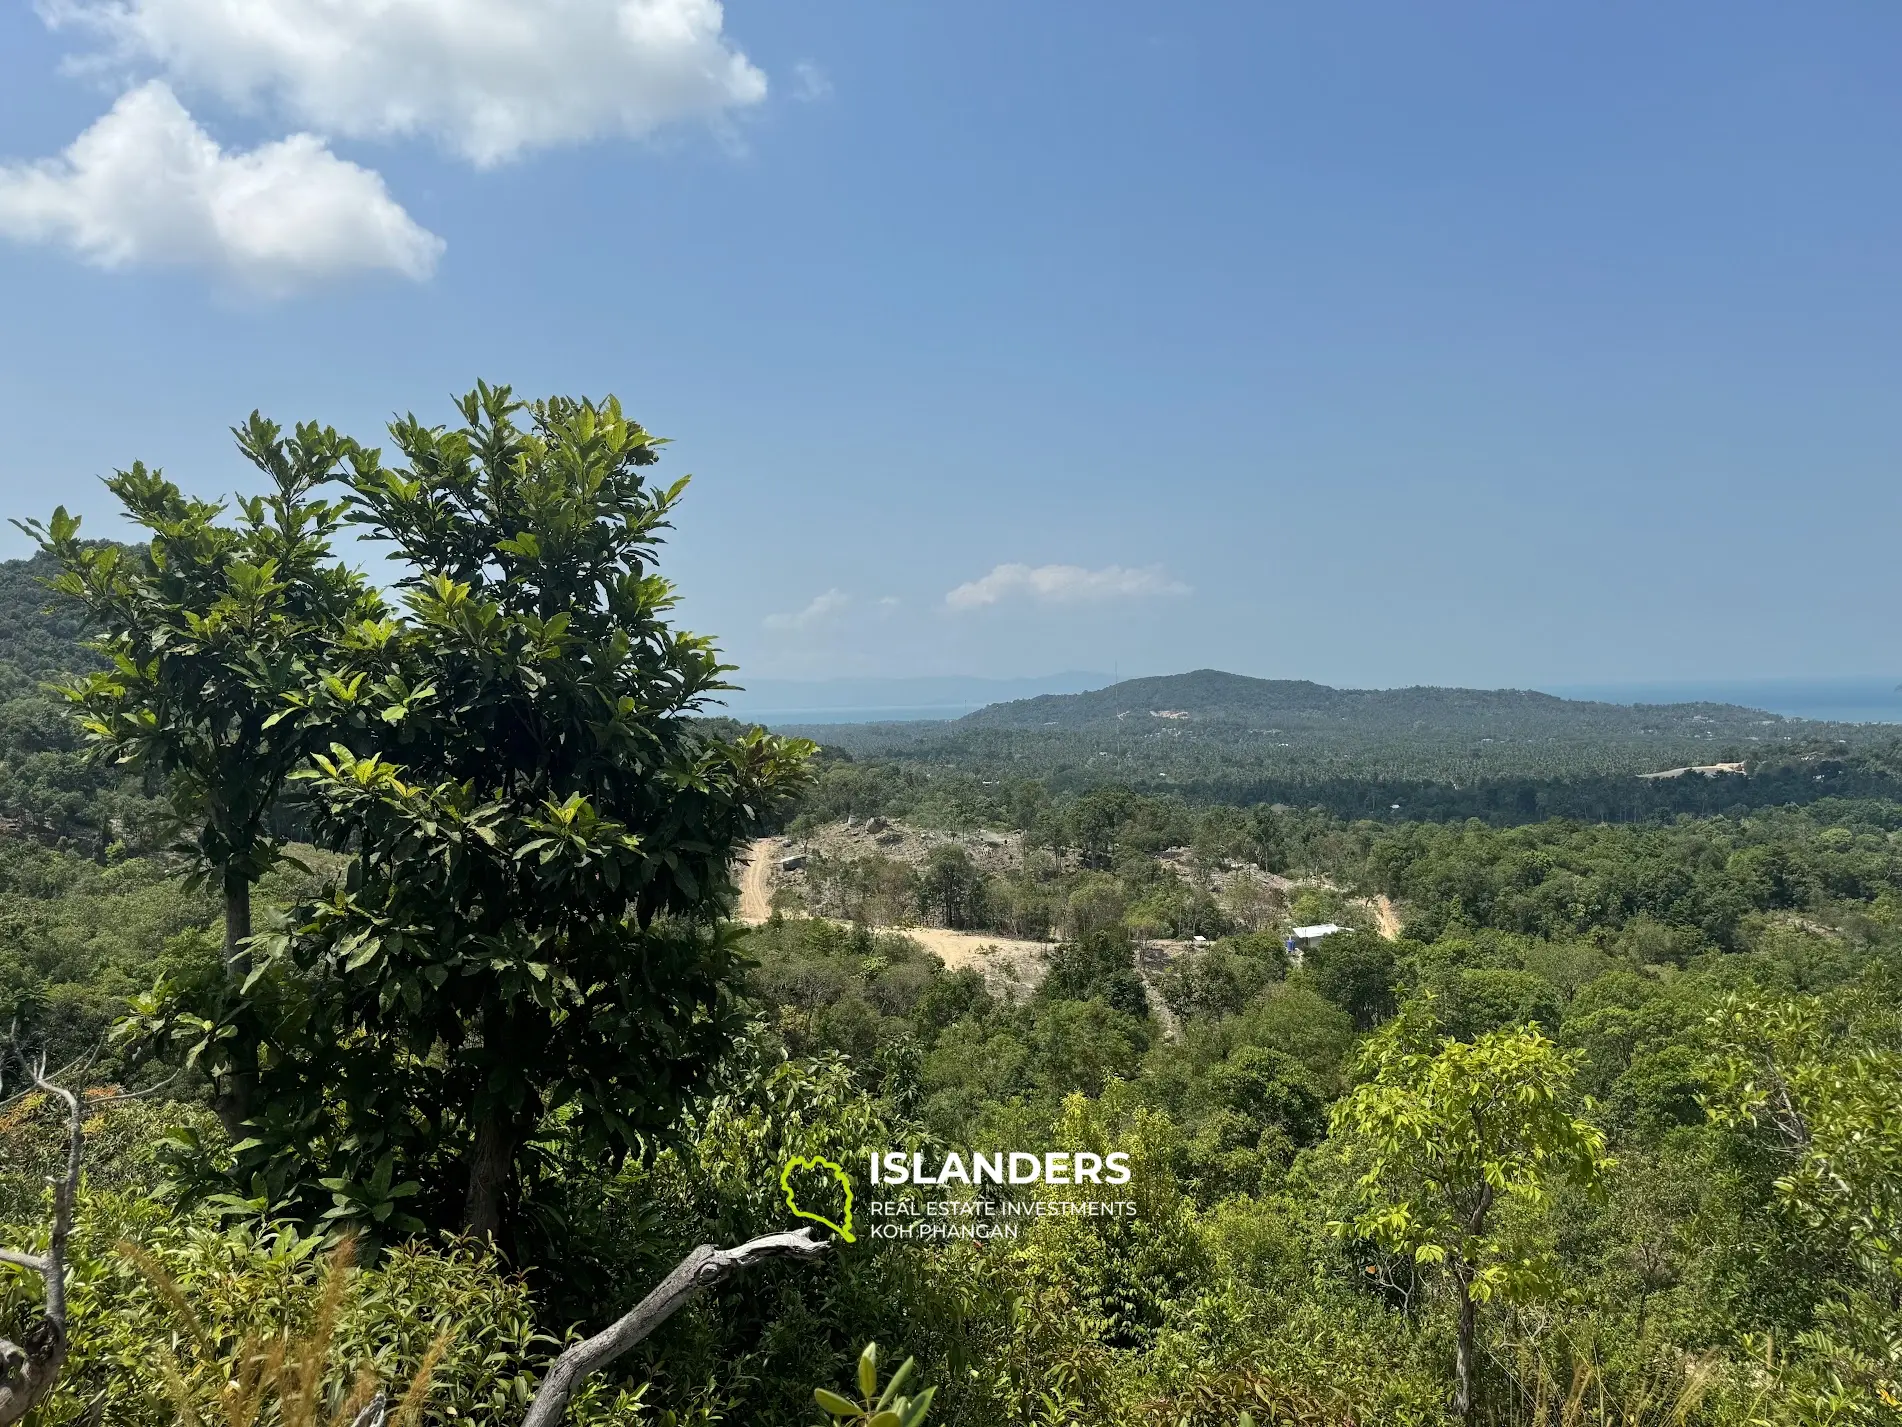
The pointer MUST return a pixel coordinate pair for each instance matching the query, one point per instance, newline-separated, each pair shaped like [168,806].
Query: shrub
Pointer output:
[167,1311]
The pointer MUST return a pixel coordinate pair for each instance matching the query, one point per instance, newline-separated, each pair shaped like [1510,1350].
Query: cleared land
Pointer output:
[999,958]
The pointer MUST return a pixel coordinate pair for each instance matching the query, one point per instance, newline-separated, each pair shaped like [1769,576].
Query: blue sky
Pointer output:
[1374,343]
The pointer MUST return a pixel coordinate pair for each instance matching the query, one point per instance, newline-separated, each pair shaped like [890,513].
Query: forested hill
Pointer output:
[47,789]
[1209,696]
[40,637]
[1505,755]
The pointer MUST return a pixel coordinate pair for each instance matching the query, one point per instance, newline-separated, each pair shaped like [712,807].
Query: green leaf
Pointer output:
[898,1381]
[920,1405]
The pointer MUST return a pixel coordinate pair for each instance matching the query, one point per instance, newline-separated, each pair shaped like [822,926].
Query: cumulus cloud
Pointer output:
[1064,584]
[147,184]
[490,79]
[823,607]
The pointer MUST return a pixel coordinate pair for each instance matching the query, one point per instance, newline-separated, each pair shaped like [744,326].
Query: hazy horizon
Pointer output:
[1842,698]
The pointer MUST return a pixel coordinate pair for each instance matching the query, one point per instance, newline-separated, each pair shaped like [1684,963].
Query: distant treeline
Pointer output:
[1509,802]
[986,794]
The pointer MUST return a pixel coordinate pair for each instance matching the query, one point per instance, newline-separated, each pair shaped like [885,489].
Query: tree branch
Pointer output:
[29,1369]
[696,1273]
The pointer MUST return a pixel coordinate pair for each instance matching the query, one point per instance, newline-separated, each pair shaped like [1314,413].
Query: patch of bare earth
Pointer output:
[756,879]
[1386,919]
[776,865]
[1003,961]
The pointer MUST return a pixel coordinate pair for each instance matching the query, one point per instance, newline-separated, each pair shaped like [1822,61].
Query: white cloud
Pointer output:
[488,78]
[822,607]
[1064,584]
[810,82]
[145,184]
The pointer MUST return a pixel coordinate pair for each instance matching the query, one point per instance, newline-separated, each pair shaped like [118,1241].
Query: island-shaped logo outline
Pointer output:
[843,1230]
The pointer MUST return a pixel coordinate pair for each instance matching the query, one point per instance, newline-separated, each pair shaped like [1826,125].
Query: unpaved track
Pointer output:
[1385,917]
[996,956]
[756,880]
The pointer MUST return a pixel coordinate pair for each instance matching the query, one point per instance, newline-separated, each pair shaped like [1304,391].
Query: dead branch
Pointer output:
[29,1369]
[696,1273]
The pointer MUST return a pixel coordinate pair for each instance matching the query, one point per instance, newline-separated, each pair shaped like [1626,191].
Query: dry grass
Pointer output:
[1671,1394]
[279,1379]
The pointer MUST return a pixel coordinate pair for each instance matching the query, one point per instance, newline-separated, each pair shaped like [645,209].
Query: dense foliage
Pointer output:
[1396,755]
[50,790]
[537,832]
[1573,1120]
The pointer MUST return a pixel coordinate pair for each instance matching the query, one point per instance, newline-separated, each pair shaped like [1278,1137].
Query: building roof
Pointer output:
[1324,929]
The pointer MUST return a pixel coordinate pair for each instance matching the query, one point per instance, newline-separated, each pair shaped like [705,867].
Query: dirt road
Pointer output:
[998,957]
[1385,917]
[756,880]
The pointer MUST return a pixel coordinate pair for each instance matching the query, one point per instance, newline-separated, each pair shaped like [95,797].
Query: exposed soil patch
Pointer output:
[1386,919]
[756,879]
[1004,961]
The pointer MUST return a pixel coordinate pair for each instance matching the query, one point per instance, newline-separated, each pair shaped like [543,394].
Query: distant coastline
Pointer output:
[1858,699]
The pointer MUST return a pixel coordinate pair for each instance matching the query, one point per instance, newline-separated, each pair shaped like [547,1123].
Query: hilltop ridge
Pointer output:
[1212,696]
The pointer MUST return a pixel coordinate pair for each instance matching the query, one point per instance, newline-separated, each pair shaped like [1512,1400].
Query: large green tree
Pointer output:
[210,627]
[1450,1136]
[1817,1082]
[530,934]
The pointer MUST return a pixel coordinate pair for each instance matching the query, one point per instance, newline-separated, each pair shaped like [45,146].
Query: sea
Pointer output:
[1849,699]
[1863,699]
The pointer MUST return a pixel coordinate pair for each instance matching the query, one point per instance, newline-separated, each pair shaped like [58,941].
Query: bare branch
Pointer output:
[29,1369]
[696,1273]
[72,1070]
[119,1096]
[65,1197]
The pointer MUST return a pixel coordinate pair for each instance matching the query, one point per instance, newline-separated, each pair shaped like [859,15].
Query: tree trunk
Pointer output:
[30,1369]
[237,912]
[1463,1352]
[491,1166]
[234,1097]
[1463,1394]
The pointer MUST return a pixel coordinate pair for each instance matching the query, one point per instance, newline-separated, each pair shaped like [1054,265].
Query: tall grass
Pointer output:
[282,1379]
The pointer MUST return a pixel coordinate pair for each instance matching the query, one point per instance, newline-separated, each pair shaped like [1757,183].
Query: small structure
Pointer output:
[1301,938]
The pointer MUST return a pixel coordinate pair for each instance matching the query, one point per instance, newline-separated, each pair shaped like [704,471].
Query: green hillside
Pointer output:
[47,790]
[1501,754]
[1268,706]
